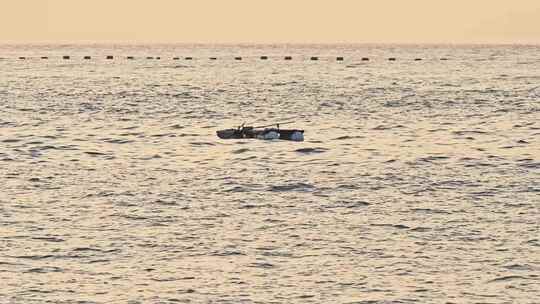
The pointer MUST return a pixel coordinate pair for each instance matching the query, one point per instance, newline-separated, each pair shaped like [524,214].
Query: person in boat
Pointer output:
[245,132]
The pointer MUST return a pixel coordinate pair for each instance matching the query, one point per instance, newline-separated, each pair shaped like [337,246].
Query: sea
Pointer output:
[418,180]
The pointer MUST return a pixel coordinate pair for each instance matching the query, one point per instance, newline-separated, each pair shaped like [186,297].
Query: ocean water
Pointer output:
[418,181]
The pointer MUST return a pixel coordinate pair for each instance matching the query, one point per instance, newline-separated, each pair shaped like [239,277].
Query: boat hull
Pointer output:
[273,133]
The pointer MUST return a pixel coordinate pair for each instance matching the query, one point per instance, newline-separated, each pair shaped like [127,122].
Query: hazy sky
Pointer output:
[258,21]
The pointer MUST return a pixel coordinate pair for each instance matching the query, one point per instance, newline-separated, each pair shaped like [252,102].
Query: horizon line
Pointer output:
[203,43]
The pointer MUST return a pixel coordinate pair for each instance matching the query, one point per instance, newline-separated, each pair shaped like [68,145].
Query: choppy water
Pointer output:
[418,182]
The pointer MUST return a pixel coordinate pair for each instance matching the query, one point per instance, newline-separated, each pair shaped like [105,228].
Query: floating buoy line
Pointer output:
[235,58]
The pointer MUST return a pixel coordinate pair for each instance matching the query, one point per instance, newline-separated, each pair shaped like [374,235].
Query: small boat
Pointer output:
[263,132]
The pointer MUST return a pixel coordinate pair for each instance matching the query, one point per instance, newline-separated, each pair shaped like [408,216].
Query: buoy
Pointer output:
[85,57]
[444,58]
[237,58]
[149,58]
[22,58]
[314,58]
[417,59]
[288,58]
[66,57]
[176,58]
[44,57]
[264,57]
[269,136]
[158,58]
[339,58]
[110,57]
[365,59]
[392,59]
[213,58]
[130,57]
[189,58]
[297,136]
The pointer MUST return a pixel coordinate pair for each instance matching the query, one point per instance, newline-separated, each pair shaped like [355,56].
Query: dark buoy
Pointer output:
[22,58]
[391,59]
[314,58]
[188,58]
[264,57]
[110,57]
[237,58]
[130,57]
[365,59]
[158,58]
[66,57]
[417,59]
[288,58]
[149,58]
[176,58]
[444,58]
[44,57]
[213,58]
[339,58]
[85,57]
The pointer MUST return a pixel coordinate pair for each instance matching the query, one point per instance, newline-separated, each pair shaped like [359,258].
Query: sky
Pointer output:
[276,21]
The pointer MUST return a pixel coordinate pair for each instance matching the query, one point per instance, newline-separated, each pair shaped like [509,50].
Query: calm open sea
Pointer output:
[418,182]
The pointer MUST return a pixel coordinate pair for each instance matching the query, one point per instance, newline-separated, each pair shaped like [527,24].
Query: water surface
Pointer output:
[418,181]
